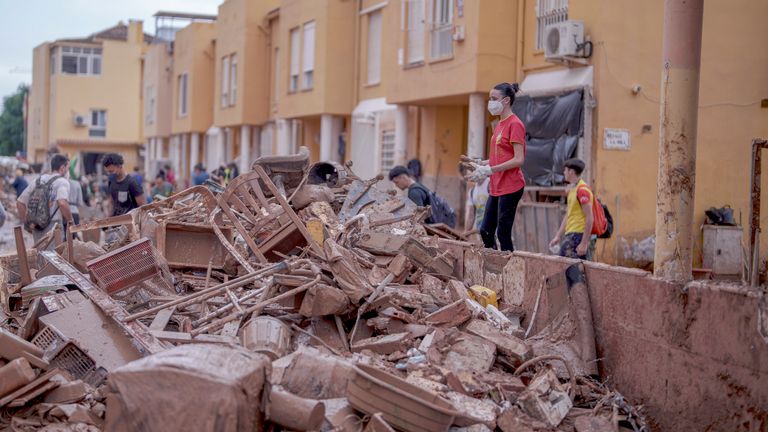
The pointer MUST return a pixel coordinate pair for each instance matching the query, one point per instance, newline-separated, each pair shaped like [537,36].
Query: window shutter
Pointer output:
[308,60]
[374,47]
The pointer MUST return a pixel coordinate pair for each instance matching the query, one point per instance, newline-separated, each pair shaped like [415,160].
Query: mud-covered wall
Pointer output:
[691,354]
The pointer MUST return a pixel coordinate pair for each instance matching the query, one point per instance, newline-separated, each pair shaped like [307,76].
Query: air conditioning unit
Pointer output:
[78,120]
[563,39]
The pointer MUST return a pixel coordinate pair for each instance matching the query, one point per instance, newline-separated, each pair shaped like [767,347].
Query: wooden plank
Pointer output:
[108,305]
[173,337]
[29,387]
[21,251]
[20,402]
[162,318]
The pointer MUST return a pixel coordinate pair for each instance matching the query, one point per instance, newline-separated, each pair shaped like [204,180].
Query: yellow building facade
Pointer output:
[625,72]
[86,96]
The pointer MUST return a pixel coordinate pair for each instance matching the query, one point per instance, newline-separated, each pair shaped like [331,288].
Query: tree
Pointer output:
[12,122]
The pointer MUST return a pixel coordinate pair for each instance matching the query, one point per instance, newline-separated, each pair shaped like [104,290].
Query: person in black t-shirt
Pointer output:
[417,192]
[124,192]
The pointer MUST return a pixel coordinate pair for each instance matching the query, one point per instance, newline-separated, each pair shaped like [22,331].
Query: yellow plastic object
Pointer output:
[315,228]
[484,296]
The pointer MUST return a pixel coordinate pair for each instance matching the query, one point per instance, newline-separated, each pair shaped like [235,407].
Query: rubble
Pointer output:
[298,298]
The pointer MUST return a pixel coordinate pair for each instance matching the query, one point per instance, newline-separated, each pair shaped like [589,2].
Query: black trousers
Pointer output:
[498,220]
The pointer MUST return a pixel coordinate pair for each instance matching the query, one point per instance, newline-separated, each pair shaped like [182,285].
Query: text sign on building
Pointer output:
[616,139]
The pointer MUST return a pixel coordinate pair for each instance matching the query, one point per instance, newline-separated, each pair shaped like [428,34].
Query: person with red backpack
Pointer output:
[585,218]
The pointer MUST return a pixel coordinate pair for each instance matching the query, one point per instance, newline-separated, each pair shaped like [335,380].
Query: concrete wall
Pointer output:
[194,54]
[39,109]
[240,30]
[485,57]
[627,39]
[691,354]
[334,71]
[117,90]
[158,78]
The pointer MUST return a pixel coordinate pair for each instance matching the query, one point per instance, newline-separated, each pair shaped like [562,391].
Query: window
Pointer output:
[374,47]
[79,60]
[293,84]
[549,12]
[276,72]
[224,81]
[149,109]
[308,59]
[98,124]
[183,92]
[387,151]
[415,30]
[233,80]
[442,29]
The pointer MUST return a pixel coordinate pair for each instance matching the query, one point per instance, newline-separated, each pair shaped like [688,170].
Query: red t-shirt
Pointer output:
[508,131]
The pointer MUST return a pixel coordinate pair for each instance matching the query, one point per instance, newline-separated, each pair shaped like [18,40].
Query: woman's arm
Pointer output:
[516,162]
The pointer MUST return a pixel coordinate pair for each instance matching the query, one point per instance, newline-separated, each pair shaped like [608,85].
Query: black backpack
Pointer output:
[609,222]
[440,210]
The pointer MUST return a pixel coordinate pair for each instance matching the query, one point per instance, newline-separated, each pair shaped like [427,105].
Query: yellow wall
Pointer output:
[193,53]
[485,57]
[158,76]
[334,59]
[37,120]
[390,18]
[627,39]
[116,90]
[241,30]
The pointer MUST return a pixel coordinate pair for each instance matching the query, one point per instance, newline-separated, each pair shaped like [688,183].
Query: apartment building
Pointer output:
[192,106]
[86,96]
[176,111]
[241,80]
[620,87]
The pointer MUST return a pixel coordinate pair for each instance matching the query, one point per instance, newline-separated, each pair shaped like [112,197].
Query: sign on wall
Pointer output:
[616,139]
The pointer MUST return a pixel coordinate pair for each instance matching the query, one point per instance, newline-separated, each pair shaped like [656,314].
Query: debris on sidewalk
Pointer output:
[298,298]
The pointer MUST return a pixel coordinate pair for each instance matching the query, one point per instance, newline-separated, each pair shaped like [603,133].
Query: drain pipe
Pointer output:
[754,211]
[677,147]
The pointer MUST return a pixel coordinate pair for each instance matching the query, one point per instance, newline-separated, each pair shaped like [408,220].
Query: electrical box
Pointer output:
[722,251]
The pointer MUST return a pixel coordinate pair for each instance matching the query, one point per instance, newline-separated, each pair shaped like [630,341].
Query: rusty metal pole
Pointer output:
[677,147]
[754,208]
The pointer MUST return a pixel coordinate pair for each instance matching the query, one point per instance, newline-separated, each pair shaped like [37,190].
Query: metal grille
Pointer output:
[125,267]
[45,338]
[387,151]
[75,361]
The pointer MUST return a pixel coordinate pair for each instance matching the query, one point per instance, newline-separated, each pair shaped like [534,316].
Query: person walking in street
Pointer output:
[575,234]
[19,183]
[161,188]
[75,202]
[46,202]
[199,175]
[124,193]
[507,183]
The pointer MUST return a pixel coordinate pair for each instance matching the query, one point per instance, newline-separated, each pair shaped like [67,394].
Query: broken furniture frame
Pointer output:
[246,196]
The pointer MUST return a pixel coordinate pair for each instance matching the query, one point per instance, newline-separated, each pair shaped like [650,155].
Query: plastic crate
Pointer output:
[125,267]
[46,337]
[81,366]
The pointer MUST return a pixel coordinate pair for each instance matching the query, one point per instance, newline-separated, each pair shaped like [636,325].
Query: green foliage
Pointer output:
[12,122]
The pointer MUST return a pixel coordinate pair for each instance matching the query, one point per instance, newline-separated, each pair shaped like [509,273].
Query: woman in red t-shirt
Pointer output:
[507,150]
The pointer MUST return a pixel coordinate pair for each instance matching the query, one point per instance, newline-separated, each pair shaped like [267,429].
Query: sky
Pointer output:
[24,24]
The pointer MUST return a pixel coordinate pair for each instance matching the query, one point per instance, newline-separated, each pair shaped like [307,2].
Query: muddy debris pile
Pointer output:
[298,298]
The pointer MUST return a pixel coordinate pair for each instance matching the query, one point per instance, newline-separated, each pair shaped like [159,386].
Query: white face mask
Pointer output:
[495,107]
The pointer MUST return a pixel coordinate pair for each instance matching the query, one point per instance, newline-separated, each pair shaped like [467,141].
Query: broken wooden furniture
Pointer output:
[286,172]
[247,202]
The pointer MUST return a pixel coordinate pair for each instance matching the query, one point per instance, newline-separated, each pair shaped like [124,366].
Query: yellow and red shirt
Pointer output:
[508,132]
[578,195]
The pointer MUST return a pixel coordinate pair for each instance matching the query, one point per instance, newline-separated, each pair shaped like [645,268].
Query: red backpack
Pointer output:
[600,224]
